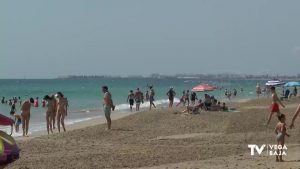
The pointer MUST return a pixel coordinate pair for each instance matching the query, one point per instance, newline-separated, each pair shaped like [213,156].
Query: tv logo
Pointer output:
[259,150]
[272,150]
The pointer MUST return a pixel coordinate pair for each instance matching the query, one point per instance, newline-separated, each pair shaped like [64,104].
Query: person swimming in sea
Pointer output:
[275,105]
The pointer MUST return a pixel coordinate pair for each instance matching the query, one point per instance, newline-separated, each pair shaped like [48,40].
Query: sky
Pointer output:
[47,39]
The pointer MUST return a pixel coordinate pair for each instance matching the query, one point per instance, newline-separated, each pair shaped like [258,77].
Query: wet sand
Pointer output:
[166,138]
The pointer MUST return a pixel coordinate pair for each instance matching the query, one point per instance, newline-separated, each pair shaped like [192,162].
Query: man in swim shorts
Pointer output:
[275,104]
[107,105]
[138,96]
[130,99]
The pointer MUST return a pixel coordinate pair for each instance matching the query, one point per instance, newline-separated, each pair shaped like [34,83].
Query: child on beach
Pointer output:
[18,120]
[275,105]
[280,131]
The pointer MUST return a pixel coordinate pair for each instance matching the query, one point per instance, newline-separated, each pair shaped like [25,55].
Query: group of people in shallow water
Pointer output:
[56,108]
[138,98]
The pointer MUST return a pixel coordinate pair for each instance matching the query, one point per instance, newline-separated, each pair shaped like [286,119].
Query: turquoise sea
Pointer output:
[85,95]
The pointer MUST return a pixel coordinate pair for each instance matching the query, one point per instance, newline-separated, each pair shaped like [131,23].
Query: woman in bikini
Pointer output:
[49,112]
[61,111]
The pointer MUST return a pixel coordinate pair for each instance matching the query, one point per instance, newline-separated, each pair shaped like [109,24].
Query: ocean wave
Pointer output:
[122,107]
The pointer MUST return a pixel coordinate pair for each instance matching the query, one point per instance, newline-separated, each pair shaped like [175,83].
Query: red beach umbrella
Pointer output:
[203,88]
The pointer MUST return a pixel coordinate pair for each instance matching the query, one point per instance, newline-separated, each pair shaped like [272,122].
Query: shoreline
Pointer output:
[99,119]
[164,138]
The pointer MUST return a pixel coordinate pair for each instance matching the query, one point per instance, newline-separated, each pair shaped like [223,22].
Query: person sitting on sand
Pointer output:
[224,107]
[18,120]
[297,112]
[25,113]
[280,131]
[216,107]
[195,108]
[275,105]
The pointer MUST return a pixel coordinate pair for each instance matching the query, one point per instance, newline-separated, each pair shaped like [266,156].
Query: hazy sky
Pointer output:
[48,38]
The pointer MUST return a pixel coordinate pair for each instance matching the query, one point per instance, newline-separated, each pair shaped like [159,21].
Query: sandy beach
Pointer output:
[166,138]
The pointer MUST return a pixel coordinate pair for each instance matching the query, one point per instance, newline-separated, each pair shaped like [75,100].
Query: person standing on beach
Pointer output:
[49,112]
[61,111]
[130,99]
[147,96]
[187,98]
[296,114]
[193,97]
[25,113]
[234,92]
[107,105]
[151,97]
[54,110]
[295,91]
[171,94]
[280,131]
[258,90]
[138,96]
[275,104]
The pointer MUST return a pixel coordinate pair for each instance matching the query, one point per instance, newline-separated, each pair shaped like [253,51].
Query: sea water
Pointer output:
[85,94]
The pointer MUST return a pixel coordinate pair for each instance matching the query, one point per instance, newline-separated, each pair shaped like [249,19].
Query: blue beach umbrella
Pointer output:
[292,84]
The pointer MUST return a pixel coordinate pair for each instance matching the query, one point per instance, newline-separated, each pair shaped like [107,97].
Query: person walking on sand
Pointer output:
[280,131]
[171,94]
[130,99]
[138,96]
[297,112]
[49,112]
[151,97]
[182,99]
[275,105]
[25,113]
[107,105]
[61,111]
[258,90]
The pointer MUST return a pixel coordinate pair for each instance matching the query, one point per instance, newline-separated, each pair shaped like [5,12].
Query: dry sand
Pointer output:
[167,139]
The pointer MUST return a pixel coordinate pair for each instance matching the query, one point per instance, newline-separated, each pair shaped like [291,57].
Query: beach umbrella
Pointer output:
[203,88]
[275,83]
[292,84]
